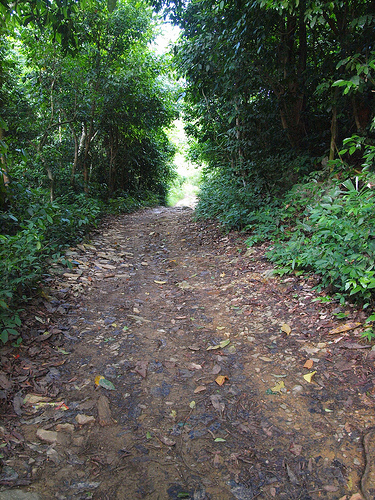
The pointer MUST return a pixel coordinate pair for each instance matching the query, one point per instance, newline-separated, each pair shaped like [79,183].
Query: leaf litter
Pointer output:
[128,430]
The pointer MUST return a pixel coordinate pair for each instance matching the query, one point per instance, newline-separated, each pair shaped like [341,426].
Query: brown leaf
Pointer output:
[141,368]
[5,383]
[104,412]
[217,402]
[292,477]
[296,449]
[200,388]
[217,460]
[344,328]
[216,369]
[309,364]
[330,487]
[168,442]
[354,345]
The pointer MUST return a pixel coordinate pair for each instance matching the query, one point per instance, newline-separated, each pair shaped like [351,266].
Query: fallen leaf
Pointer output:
[309,376]
[309,364]
[192,405]
[160,282]
[354,345]
[218,460]
[32,399]
[217,402]
[104,412]
[219,440]
[265,359]
[194,366]
[167,441]
[107,384]
[216,369]
[194,347]
[286,328]
[296,449]
[220,379]
[200,388]
[292,477]
[330,487]
[344,328]
[280,385]
[141,368]
[148,435]
[222,344]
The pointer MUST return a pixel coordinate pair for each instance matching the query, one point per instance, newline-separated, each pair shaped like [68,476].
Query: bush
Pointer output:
[37,235]
[335,238]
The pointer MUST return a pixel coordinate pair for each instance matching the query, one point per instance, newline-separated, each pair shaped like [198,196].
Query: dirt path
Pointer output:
[171,418]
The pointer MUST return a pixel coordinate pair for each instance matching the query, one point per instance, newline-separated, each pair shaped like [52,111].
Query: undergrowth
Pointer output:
[34,233]
[323,227]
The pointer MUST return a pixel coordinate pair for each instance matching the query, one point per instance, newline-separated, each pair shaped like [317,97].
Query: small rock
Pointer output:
[297,389]
[65,427]
[8,474]
[47,436]
[53,456]
[84,419]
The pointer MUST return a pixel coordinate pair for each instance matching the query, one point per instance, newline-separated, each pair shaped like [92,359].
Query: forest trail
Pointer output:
[202,354]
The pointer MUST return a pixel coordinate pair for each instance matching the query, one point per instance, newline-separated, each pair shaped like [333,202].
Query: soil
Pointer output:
[169,363]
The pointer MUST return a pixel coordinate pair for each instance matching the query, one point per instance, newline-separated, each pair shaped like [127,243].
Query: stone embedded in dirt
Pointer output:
[47,436]
[82,419]
[53,455]
[65,427]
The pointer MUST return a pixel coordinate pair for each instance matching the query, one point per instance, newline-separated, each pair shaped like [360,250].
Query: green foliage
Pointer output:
[33,234]
[125,203]
[333,237]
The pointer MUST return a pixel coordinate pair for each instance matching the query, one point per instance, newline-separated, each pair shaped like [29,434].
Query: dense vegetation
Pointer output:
[85,105]
[280,101]
[279,110]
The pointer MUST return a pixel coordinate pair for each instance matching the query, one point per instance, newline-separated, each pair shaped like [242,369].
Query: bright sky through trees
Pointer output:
[168,36]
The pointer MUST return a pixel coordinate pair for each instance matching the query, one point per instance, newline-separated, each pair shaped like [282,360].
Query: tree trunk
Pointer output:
[334,127]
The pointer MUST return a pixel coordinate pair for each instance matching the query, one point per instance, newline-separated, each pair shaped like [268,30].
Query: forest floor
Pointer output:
[170,363]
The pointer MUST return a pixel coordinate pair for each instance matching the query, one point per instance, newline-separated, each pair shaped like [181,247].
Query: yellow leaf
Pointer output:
[98,378]
[309,364]
[309,376]
[286,328]
[192,405]
[280,385]
[344,328]
[220,379]
[160,282]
